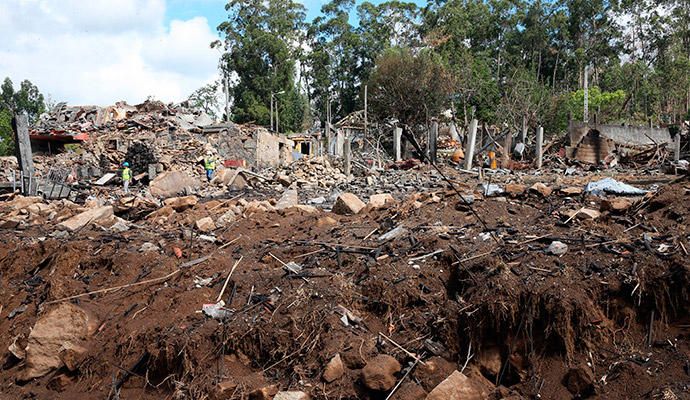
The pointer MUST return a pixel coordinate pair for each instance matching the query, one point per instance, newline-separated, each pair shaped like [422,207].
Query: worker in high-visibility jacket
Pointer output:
[210,162]
[126,176]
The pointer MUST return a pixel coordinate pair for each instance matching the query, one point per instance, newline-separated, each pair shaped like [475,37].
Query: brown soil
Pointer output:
[586,313]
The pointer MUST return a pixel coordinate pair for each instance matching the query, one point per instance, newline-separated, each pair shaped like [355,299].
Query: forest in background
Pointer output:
[495,60]
[500,61]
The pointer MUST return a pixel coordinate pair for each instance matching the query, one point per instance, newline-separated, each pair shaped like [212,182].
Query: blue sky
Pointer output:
[214,10]
[101,54]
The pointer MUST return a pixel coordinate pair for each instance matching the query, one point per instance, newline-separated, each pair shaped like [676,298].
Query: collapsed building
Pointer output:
[86,143]
[598,143]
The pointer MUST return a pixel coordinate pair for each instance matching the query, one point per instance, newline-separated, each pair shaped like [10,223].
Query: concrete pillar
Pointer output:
[339,142]
[507,146]
[471,139]
[22,141]
[433,140]
[328,138]
[676,147]
[523,135]
[347,156]
[540,145]
[397,137]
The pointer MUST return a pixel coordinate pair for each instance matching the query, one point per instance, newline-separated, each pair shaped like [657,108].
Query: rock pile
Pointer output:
[317,171]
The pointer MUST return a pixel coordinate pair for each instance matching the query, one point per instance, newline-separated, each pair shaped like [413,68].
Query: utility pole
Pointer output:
[328,132]
[274,105]
[366,92]
[328,122]
[227,97]
[277,118]
[586,110]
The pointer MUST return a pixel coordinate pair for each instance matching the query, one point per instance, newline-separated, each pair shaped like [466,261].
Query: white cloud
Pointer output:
[100,51]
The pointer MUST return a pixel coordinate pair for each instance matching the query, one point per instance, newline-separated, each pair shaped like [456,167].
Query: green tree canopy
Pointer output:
[28,99]
[408,87]
[262,40]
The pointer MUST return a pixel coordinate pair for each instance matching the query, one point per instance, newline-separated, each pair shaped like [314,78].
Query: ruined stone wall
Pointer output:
[234,145]
[631,135]
[272,150]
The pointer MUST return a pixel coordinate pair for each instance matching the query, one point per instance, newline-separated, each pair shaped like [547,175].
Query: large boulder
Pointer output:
[205,225]
[541,188]
[433,372]
[60,331]
[379,373]
[380,200]
[515,189]
[616,205]
[172,183]
[289,199]
[334,369]
[459,387]
[347,204]
[293,395]
[181,203]
[20,202]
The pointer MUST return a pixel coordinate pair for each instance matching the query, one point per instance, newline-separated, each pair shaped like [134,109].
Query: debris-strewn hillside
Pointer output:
[543,290]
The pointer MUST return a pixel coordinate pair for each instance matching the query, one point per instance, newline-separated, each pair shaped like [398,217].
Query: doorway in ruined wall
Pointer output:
[305,148]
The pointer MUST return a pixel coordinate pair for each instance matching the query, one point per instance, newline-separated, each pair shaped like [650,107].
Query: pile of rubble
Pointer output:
[323,172]
[422,296]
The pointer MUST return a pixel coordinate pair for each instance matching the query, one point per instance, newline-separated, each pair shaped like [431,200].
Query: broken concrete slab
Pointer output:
[284,179]
[348,204]
[173,183]
[104,179]
[226,219]
[81,220]
[148,247]
[119,225]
